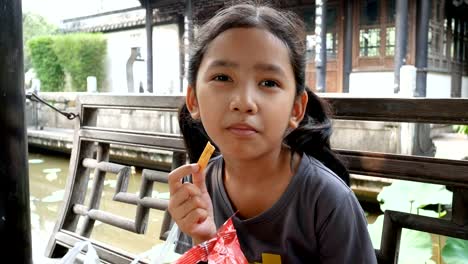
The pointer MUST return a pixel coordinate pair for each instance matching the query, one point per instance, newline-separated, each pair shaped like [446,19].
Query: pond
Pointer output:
[47,179]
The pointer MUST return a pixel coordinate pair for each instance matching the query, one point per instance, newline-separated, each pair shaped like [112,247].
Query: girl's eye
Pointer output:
[221,78]
[269,83]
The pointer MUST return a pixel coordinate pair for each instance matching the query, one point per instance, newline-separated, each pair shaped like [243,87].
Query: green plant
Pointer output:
[462,129]
[81,55]
[455,251]
[34,25]
[46,64]
[416,198]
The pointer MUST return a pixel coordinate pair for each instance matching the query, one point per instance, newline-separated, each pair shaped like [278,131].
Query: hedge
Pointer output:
[80,55]
[46,64]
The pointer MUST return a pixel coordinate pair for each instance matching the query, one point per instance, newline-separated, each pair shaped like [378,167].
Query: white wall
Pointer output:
[465,87]
[380,84]
[166,60]
[371,84]
[438,85]
[166,69]
[119,46]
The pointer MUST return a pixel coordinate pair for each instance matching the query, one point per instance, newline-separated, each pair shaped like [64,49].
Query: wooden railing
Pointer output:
[91,151]
[451,173]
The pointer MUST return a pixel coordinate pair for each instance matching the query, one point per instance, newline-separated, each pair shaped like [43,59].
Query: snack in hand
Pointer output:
[205,156]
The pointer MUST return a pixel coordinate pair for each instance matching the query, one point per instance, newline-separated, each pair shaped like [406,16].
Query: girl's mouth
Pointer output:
[242,130]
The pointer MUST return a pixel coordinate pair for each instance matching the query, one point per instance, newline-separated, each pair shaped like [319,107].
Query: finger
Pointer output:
[175,177]
[193,219]
[184,193]
[187,207]
[198,180]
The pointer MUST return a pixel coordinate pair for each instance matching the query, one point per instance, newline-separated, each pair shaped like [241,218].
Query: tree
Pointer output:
[34,25]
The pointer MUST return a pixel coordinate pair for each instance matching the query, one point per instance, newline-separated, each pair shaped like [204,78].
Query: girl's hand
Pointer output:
[190,204]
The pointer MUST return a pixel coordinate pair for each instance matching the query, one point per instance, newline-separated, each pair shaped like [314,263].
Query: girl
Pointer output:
[274,168]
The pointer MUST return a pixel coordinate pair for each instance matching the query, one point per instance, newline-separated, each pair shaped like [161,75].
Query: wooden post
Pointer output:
[422,27]
[149,46]
[401,40]
[321,45]
[188,38]
[181,29]
[456,39]
[15,223]
[348,45]
[462,44]
[457,66]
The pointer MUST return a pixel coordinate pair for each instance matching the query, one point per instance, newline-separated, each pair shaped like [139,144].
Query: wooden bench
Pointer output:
[91,151]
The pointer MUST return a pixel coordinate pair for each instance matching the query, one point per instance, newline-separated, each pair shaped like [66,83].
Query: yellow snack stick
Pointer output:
[205,156]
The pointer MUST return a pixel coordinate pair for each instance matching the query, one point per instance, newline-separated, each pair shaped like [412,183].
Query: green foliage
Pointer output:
[455,251]
[411,197]
[462,129]
[33,26]
[46,64]
[81,55]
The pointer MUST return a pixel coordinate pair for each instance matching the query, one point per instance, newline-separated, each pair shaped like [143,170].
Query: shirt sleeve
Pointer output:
[343,237]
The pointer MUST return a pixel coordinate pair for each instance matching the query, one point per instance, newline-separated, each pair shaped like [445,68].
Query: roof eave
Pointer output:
[159,3]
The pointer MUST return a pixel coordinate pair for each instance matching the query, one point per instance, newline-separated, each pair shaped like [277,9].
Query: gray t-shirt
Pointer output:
[317,219]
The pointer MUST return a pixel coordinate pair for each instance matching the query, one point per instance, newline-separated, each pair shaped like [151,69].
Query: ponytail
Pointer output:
[312,136]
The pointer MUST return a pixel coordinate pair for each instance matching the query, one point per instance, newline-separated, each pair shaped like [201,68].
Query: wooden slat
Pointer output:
[424,110]
[105,252]
[428,224]
[131,101]
[174,143]
[427,110]
[421,169]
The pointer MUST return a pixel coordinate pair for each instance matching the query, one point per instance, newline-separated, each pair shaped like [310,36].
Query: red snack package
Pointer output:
[223,249]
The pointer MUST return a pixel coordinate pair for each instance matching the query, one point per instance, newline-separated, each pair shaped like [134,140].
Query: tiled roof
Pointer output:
[110,21]
[459,2]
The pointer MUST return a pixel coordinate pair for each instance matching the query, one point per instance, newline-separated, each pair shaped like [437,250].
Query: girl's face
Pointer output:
[245,93]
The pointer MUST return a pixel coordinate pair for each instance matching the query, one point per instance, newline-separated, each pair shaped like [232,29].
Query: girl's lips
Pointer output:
[242,130]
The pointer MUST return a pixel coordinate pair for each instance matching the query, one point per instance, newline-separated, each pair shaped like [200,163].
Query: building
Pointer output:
[366,42]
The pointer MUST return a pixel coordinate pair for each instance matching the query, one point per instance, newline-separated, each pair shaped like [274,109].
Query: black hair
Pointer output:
[312,136]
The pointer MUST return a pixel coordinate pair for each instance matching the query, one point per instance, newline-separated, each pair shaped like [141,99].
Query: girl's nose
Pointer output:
[244,102]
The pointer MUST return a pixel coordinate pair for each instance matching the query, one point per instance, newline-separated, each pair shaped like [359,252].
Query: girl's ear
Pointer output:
[192,103]
[298,111]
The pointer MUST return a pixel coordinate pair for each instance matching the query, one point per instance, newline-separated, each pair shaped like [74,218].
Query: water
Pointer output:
[47,179]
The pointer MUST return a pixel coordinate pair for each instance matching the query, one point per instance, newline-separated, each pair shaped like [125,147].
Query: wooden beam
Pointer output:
[15,223]
[321,45]
[418,110]
[422,27]
[401,45]
[411,168]
[348,45]
[149,48]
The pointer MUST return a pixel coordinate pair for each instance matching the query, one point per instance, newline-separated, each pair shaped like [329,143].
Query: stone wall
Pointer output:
[47,118]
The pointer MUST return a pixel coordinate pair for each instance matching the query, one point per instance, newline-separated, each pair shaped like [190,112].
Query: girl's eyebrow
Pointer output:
[266,67]
[223,63]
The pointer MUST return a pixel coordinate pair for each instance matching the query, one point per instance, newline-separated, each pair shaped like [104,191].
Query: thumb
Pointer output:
[198,179]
